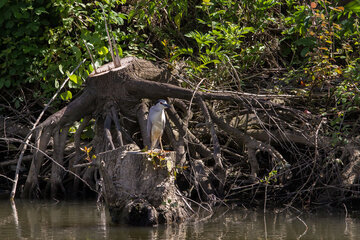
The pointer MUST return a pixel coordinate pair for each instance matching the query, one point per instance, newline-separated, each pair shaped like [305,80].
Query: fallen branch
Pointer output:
[250,142]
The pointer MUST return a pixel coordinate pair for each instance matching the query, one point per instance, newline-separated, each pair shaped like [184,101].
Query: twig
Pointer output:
[21,115]
[84,165]
[25,143]
[186,121]
[16,217]
[323,120]
[265,226]
[186,136]
[346,219]
[265,197]
[235,72]
[210,125]
[91,58]
[183,198]
[117,57]
[200,205]
[116,64]
[1,175]
[306,228]
[346,211]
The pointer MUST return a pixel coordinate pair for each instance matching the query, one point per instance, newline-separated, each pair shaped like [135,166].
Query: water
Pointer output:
[86,220]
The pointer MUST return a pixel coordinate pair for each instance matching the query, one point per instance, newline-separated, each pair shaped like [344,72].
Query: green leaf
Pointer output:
[353,6]
[40,10]
[120,52]
[61,69]
[103,50]
[182,51]
[91,68]
[74,78]
[246,30]
[66,95]
[76,84]
[178,20]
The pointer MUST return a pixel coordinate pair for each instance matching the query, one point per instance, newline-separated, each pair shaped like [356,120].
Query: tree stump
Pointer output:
[137,190]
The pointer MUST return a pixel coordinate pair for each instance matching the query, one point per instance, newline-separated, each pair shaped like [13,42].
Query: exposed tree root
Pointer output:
[226,142]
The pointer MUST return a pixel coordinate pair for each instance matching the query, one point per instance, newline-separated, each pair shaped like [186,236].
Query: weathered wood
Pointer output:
[138,191]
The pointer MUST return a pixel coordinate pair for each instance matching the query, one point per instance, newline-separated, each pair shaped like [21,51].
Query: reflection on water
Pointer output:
[86,220]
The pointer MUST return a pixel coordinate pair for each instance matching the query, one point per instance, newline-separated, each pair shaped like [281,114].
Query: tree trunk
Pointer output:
[140,190]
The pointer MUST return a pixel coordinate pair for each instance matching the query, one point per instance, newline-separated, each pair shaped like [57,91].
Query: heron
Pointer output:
[156,123]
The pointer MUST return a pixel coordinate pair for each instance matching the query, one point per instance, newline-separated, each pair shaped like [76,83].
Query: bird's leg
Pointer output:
[150,148]
[161,146]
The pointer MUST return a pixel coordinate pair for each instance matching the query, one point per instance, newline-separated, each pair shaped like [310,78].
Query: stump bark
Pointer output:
[139,189]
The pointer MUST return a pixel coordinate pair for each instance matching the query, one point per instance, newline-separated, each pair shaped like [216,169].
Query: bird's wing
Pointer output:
[148,125]
[163,119]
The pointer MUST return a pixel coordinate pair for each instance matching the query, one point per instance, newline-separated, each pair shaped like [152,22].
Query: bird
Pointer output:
[156,123]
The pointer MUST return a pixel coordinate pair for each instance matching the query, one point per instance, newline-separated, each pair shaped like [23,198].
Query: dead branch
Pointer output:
[210,125]
[251,142]
[91,58]
[50,158]
[184,131]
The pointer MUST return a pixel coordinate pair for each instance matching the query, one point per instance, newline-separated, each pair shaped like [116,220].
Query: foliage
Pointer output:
[42,41]
[327,38]
[305,48]
[272,177]
[225,42]
[87,151]
[232,38]
[159,160]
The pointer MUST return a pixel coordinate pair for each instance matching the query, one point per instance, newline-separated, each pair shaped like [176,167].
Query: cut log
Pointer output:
[140,189]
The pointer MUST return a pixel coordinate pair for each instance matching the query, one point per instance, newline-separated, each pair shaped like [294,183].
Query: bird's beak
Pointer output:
[166,105]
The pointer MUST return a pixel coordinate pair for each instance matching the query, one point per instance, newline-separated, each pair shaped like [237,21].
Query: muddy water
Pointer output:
[87,220]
